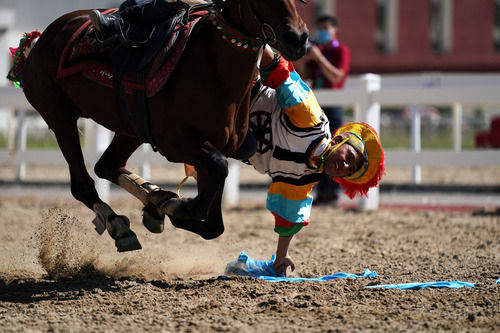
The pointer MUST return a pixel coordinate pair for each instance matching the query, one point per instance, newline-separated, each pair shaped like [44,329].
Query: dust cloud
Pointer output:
[65,251]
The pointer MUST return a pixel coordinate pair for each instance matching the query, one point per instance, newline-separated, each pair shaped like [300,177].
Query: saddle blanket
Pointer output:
[86,55]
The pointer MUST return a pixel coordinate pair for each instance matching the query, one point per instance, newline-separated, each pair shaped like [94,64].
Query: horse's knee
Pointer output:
[104,170]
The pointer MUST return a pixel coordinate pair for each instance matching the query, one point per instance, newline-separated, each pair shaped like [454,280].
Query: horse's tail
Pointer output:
[19,56]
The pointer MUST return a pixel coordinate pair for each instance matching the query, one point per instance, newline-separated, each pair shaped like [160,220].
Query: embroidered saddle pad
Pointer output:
[86,55]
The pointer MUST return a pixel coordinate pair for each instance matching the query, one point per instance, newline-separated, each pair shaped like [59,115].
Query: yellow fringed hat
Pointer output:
[372,169]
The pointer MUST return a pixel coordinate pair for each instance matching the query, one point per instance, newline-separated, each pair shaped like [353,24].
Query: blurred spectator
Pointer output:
[328,63]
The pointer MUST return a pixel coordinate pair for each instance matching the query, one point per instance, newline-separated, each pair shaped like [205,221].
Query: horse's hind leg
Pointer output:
[82,185]
[111,166]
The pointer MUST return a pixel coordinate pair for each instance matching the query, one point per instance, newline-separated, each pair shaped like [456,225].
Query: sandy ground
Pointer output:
[173,173]
[57,274]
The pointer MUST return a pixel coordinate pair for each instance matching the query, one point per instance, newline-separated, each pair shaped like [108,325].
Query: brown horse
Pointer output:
[199,117]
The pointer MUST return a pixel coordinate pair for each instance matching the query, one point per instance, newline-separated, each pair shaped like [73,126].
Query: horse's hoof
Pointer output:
[118,226]
[128,243]
[153,219]
[100,226]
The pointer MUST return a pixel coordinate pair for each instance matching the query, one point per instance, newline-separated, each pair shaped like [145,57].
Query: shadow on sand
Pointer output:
[28,290]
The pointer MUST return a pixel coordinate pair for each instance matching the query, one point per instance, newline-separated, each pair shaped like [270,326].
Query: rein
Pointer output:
[266,39]
[238,39]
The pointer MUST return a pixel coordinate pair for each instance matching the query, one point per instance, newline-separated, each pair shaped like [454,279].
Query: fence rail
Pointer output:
[365,95]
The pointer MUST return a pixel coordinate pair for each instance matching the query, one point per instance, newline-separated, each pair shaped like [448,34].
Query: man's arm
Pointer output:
[283,260]
[291,207]
[290,204]
[332,73]
[293,95]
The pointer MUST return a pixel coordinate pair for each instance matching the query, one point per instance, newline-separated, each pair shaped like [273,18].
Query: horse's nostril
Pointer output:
[291,37]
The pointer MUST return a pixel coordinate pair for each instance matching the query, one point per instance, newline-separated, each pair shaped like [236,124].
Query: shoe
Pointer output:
[104,25]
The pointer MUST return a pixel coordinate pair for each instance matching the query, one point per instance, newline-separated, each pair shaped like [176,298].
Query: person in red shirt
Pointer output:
[328,63]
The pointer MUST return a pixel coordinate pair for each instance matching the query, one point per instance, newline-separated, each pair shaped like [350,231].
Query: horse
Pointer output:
[199,117]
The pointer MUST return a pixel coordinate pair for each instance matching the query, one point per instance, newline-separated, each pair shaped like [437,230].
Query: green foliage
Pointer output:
[45,142]
[439,138]
[48,141]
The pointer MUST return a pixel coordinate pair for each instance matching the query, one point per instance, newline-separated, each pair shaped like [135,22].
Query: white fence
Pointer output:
[365,94]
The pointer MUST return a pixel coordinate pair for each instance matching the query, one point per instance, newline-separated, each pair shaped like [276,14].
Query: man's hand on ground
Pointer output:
[281,264]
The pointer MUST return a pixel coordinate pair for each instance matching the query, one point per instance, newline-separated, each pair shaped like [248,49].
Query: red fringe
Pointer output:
[13,51]
[281,222]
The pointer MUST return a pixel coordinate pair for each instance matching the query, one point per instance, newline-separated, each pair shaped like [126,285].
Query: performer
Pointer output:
[294,146]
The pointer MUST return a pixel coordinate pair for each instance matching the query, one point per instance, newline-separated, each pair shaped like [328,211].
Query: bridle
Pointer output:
[269,35]
[273,38]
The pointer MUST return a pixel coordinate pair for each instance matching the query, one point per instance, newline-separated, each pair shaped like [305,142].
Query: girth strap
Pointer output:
[138,119]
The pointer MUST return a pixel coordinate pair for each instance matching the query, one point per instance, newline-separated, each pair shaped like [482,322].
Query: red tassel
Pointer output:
[13,51]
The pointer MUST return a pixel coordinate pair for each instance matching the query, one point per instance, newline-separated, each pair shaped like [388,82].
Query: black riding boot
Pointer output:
[104,25]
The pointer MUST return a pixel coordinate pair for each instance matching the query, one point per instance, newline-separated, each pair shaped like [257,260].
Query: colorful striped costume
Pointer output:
[290,129]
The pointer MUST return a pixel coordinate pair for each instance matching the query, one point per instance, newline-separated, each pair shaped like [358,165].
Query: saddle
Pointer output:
[141,41]
[139,70]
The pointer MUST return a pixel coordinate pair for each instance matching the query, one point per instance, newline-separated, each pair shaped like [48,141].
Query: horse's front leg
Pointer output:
[212,168]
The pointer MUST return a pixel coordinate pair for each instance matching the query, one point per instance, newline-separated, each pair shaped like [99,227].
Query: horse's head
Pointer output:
[275,22]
